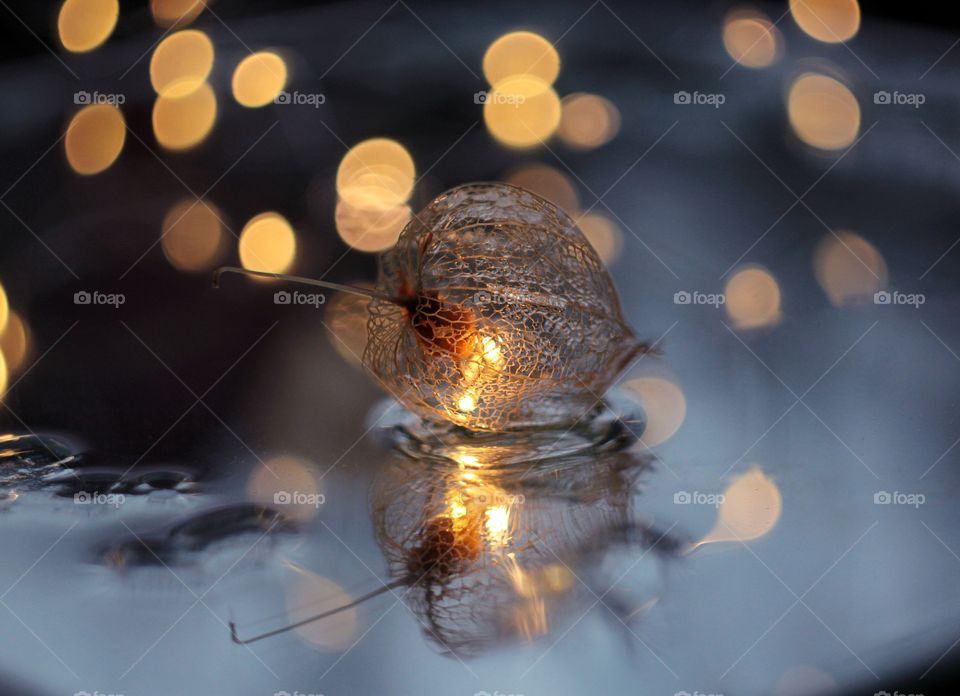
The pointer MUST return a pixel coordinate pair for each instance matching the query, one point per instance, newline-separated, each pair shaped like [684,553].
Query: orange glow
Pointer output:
[547,182]
[751,508]
[268,243]
[289,484]
[376,174]
[167,13]
[370,229]
[258,79]
[3,376]
[95,138]
[184,122]
[522,111]
[823,112]
[85,24]
[603,234]
[309,594]
[753,298]
[830,21]
[181,63]
[751,40]
[192,236]
[521,53]
[4,308]
[588,121]
[14,342]
[663,404]
[849,268]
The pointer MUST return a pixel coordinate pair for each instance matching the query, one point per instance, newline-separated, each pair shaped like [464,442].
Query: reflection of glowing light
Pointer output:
[181,63]
[85,24]
[370,229]
[521,53]
[268,243]
[751,40]
[287,482]
[3,375]
[604,236]
[664,405]
[547,182]
[347,325]
[849,268]
[752,298]
[831,21]
[183,122]
[588,121]
[192,235]
[14,341]
[823,112]
[466,460]
[750,509]
[522,111]
[167,13]
[497,525]
[95,138]
[376,174]
[456,508]
[259,78]
[310,593]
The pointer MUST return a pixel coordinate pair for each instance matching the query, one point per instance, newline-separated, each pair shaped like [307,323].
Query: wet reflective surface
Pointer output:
[778,516]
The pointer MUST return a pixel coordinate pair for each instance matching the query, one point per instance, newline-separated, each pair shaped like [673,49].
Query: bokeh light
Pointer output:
[310,594]
[193,238]
[184,122]
[14,342]
[289,483]
[753,298]
[547,182]
[849,268]
[823,112]
[167,13]
[95,138]
[370,229]
[588,121]
[85,24]
[268,243]
[521,53]
[376,174]
[603,234]
[346,324]
[751,39]
[664,406]
[4,308]
[750,509]
[522,111]
[181,63]
[831,21]
[4,376]
[258,79]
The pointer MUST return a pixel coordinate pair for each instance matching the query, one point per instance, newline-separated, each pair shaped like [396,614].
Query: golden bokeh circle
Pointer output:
[823,112]
[181,63]
[268,243]
[830,21]
[521,53]
[752,298]
[258,79]
[181,123]
[522,111]
[82,25]
[193,239]
[95,138]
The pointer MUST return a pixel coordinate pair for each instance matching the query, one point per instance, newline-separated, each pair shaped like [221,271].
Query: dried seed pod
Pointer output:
[495,313]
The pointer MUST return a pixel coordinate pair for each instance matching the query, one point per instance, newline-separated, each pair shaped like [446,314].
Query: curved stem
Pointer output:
[371,294]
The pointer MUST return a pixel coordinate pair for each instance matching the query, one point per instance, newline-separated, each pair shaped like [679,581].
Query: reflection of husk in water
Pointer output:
[490,558]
